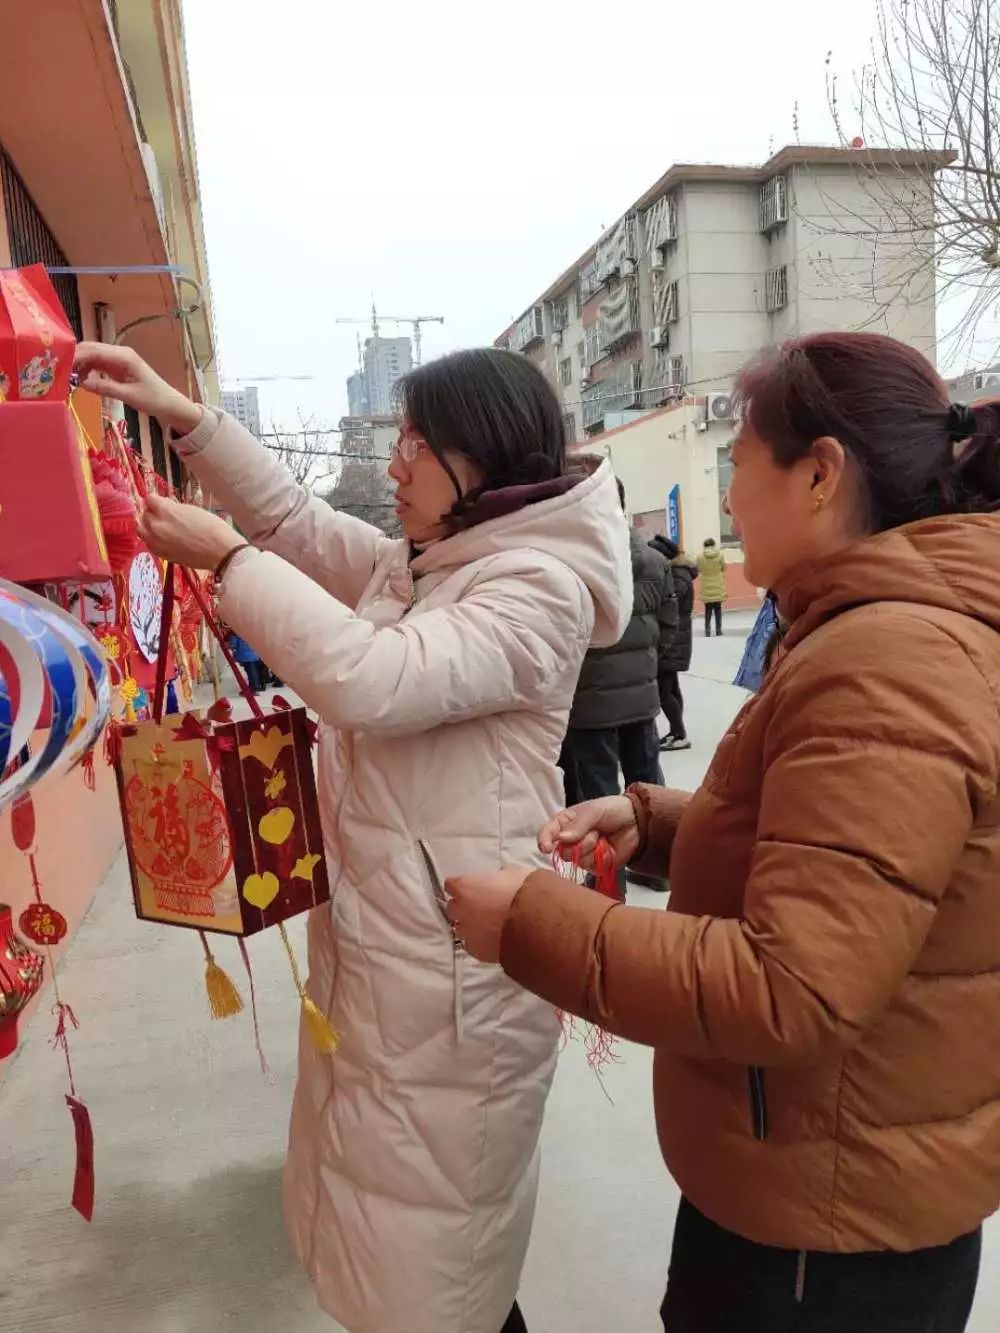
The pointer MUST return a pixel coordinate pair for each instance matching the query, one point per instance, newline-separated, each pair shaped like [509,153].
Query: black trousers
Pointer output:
[256,674]
[713,609]
[514,1323]
[672,703]
[591,760]
[721,1283]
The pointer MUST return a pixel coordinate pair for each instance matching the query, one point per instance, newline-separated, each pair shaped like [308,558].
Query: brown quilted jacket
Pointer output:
[824,991]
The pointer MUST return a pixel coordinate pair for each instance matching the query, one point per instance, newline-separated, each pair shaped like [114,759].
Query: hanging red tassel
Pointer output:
[83,1174]
[89,776]
[117,510]
[598,1045]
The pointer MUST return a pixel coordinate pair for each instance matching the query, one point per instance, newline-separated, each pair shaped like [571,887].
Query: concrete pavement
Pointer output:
[187,1235]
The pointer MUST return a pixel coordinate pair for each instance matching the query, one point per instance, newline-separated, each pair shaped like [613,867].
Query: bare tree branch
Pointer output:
[932,86]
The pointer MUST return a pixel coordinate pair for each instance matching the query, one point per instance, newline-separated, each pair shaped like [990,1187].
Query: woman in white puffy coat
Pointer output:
[442,667]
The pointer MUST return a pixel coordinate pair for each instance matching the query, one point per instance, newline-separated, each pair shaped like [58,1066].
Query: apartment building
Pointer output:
[370,390]
[244,405]
[713,264]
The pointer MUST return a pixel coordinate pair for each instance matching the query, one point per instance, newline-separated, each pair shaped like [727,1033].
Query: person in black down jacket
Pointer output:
[612,724]
[675,644]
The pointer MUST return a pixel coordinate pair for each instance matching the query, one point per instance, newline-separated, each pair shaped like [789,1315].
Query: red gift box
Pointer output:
[50,528]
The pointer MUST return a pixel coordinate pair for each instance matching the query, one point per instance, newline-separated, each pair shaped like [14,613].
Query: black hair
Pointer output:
[669,546]
[621,492]
[918,454]
[709,541]
[495,407]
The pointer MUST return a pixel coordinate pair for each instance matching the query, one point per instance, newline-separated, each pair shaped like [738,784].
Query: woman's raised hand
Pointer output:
[120,372]
[610,817]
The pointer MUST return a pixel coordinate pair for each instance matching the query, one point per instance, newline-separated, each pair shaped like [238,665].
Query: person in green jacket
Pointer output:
[712,586]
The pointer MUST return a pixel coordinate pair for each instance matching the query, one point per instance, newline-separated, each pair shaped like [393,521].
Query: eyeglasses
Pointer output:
[407,447]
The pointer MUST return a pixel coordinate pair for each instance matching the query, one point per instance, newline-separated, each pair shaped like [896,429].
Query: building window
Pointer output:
[776,289]
[569,426]
[566,371]
[577,301]
[560,314]
[773,203]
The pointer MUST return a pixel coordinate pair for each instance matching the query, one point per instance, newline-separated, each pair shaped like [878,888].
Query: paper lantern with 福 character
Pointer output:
[221,821]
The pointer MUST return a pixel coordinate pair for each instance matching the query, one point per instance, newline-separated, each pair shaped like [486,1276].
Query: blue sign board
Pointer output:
[674,515]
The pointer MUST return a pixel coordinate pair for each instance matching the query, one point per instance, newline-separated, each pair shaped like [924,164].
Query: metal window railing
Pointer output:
[773,203]
[32,242]
[776,289]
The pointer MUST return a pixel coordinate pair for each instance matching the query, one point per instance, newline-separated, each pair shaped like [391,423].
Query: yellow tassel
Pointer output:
[223,998]
[323,1036]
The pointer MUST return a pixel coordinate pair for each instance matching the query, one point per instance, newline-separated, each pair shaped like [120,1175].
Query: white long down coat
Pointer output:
[443,685]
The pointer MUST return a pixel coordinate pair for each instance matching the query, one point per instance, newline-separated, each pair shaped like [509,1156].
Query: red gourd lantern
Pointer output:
[20,977]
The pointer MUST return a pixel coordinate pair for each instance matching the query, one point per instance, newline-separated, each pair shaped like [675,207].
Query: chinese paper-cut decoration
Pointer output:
[50,528]
[145,604]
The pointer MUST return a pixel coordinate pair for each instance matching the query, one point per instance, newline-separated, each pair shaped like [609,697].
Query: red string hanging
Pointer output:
[598,1045]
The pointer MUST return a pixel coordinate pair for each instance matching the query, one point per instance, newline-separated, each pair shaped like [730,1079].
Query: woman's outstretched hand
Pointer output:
[186,534]
[119,372]
[581,826]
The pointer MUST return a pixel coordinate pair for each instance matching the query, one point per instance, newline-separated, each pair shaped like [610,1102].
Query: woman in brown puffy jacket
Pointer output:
[823,993]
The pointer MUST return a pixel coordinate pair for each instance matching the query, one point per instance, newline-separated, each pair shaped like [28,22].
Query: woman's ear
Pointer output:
[829,463]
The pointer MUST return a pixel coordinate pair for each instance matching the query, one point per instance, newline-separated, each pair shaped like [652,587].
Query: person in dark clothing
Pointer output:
[675,644]
[612,725]
[247,657]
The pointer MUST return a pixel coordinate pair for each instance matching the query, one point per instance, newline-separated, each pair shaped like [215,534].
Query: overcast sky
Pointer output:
[453,158]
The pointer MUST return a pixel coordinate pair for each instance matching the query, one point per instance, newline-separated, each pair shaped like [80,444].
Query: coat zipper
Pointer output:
[800,1277]
[458,949]
[758,1103]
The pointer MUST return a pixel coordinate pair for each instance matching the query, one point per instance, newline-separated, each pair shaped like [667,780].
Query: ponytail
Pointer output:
[973,477]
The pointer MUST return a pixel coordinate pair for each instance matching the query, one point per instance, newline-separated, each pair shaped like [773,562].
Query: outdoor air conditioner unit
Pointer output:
[656,263]
[719,407]
[659,336]
[557,337]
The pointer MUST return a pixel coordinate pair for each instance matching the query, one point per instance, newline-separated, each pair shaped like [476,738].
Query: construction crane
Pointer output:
[257,379]
[415,320]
